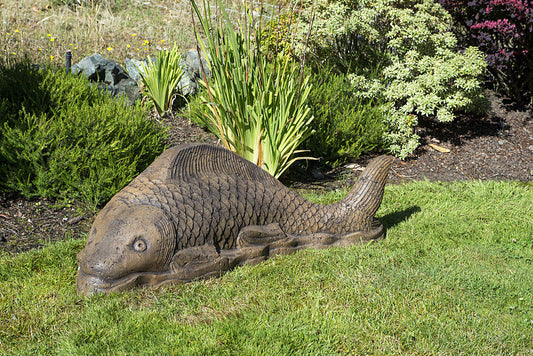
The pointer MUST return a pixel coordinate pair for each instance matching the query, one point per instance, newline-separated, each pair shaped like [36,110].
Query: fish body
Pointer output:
[200,210]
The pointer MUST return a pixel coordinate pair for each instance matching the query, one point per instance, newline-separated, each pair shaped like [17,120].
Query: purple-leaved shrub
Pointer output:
[503,30]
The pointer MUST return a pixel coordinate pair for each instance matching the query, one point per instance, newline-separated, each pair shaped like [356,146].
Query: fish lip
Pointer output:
[89,284]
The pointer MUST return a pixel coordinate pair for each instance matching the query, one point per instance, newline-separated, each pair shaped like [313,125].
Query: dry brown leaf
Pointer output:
[439,148]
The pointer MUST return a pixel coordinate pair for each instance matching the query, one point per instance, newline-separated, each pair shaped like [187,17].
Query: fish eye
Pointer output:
[139,245]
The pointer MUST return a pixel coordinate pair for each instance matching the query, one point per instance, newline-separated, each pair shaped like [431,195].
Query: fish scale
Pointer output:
[185,204]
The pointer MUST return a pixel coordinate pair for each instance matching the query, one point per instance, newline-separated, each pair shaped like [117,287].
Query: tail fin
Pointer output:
[367,193]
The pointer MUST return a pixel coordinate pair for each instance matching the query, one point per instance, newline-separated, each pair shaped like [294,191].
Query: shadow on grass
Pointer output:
[393,219]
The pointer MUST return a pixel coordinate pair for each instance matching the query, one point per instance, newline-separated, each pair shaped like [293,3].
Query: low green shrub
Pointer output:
[345,126]
[63,139]
[277,36]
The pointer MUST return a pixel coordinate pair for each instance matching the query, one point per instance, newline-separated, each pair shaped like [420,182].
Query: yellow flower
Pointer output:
[49,35]
[52,39]
[16,31]
[109,49]
[51,58]
[70,44]
[127,46]
[146,42]
[40,49]
[134,34]
[162,41]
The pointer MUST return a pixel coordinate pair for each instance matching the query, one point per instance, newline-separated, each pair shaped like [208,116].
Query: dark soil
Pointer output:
[496,146]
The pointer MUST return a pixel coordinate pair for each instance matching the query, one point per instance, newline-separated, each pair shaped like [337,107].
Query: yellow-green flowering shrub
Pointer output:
[398,51]
[277,36]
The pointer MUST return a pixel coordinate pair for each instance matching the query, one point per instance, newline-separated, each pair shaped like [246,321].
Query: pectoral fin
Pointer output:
[199,262]
[260,235]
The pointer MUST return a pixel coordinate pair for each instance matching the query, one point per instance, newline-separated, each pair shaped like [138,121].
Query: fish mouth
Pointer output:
[88,284]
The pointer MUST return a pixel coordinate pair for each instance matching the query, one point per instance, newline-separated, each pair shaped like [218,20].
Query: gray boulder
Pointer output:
[192,59]
[192,72]
[109,76]
[188,84]
[134,67]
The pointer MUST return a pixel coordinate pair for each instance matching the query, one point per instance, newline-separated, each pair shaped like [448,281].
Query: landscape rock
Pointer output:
[109,76]
[113,79]
[188,84]
[192,59]
[134,67]
[192,72]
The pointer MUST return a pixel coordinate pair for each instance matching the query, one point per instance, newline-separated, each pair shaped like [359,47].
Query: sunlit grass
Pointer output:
[453,276]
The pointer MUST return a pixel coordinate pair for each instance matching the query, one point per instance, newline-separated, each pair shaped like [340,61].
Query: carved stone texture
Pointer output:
[201,210]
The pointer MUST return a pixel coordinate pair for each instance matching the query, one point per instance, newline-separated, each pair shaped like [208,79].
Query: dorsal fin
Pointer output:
[199,159]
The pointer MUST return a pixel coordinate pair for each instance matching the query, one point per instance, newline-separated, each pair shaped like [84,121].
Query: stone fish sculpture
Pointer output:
[201,210]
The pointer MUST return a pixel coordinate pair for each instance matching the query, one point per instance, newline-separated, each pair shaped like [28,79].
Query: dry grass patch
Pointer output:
[45,30]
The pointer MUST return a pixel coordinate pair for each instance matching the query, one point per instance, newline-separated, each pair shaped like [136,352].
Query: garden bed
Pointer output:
[497,146]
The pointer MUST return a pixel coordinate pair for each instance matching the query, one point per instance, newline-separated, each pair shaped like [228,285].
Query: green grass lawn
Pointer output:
[454,276]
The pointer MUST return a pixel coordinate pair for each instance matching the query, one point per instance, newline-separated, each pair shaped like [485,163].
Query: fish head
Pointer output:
[126,247]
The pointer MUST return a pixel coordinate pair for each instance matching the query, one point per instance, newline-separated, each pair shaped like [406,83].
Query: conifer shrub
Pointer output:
[63,139]
[345,126]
